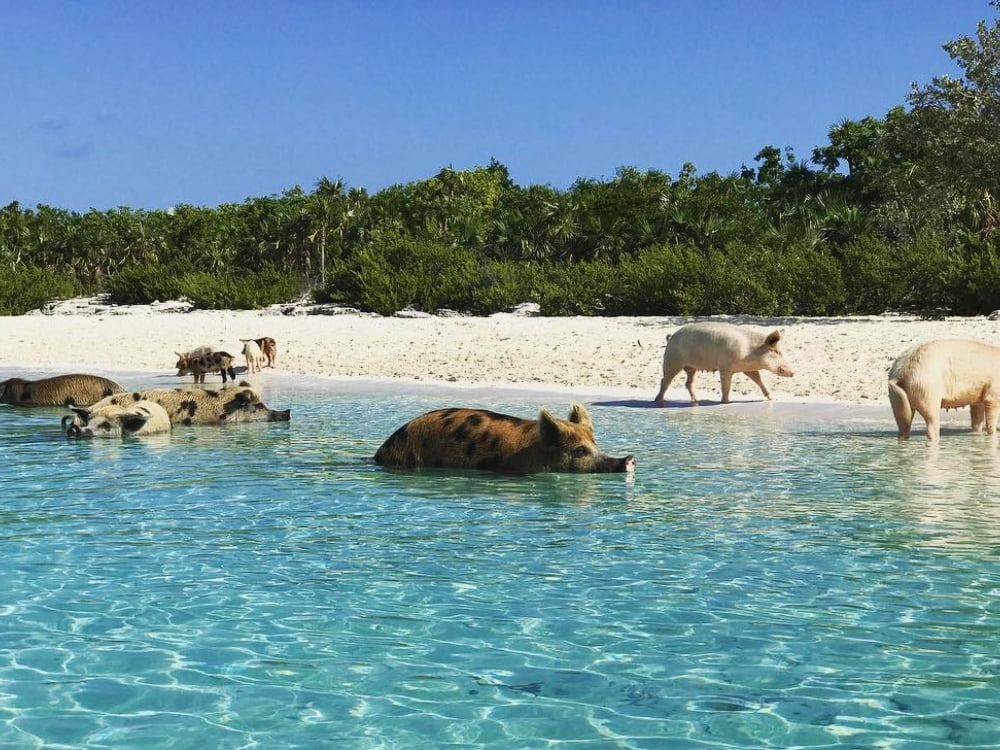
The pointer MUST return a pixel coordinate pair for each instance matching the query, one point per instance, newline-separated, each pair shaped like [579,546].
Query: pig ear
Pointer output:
[548,427]
[773,338]
[578,414]
[133,422]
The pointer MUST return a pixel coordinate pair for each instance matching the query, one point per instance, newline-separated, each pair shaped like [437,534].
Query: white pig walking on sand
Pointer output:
[946,374]
[726,347]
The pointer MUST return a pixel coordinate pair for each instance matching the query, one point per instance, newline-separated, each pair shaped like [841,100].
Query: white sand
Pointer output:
[835,359]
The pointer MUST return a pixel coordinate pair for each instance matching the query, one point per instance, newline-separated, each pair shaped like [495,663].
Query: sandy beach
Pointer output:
[835,359]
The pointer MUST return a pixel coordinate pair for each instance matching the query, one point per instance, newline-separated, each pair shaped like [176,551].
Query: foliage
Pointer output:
[907,276]
[897,212]
[31,288]
[235,290]
[395,272]
[144,284]
[239,290]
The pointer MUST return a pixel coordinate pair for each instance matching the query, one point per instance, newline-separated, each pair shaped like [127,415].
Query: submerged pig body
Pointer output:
[946,374]
[190,406]
[480,439]
[723,347]
[60,390]
[115,421]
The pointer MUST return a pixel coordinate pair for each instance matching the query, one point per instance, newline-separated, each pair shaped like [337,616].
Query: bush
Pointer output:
[27,289]
[577,289]
[236,290]
[506,284]
[974,283]
[911,275]
[240,290]
[144,284]
[681,280]
[396,272]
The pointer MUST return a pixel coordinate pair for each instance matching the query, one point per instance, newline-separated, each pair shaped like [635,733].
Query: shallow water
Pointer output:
[771,577]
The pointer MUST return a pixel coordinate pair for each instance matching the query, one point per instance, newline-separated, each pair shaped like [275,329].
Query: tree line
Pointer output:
[894,213]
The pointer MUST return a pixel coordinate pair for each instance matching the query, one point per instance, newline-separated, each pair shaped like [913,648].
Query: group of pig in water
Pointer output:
[942,373]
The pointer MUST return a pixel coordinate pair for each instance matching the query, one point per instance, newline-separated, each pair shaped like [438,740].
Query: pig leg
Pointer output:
[690,383]
[754,375]
[726,377]
[990,415]
[670,371]
[933,418]
[980,414]
[901,409]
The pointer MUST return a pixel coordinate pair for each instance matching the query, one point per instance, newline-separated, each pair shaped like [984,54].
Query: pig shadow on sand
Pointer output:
[635,403]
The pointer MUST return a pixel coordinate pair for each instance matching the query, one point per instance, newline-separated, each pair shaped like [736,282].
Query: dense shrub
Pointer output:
[143,284]
[506,284]
[974,282]
[576,289]
[804,281]
[29,289]
[680,280]
[235,290]
[393,273]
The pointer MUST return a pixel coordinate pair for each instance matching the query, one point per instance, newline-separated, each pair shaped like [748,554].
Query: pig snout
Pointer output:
[776,363]
[609,465]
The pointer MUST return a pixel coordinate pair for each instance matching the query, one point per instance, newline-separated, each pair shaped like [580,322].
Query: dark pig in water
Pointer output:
[60,390]
[479,439]
[726,347]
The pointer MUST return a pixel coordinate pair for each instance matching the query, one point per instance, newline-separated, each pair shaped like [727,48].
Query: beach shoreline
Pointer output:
[836,360]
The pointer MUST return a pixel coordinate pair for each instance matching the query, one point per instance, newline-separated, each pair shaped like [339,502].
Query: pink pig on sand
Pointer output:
[726,347]
[948,374]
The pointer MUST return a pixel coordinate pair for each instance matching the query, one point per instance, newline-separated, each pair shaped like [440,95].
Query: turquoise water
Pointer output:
[771,577]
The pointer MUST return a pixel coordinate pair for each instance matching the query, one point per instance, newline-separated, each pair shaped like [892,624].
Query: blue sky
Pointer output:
[147,105]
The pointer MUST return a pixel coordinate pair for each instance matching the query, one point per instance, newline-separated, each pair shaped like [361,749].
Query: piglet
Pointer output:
[728,348]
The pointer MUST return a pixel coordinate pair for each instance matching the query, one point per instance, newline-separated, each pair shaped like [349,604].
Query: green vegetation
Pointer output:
[894,213]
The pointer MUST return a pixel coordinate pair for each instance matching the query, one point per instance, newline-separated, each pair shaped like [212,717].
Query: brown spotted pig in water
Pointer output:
[481,439]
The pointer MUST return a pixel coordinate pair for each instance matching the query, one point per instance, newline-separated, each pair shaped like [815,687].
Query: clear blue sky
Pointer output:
[149,104]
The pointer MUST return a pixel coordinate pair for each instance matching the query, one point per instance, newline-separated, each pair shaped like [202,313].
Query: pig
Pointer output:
[270,349]
[60,390]
[189,406]
[461,438]
[728,348]
[113,421]
[946,373]
[200,364]
[254,356]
